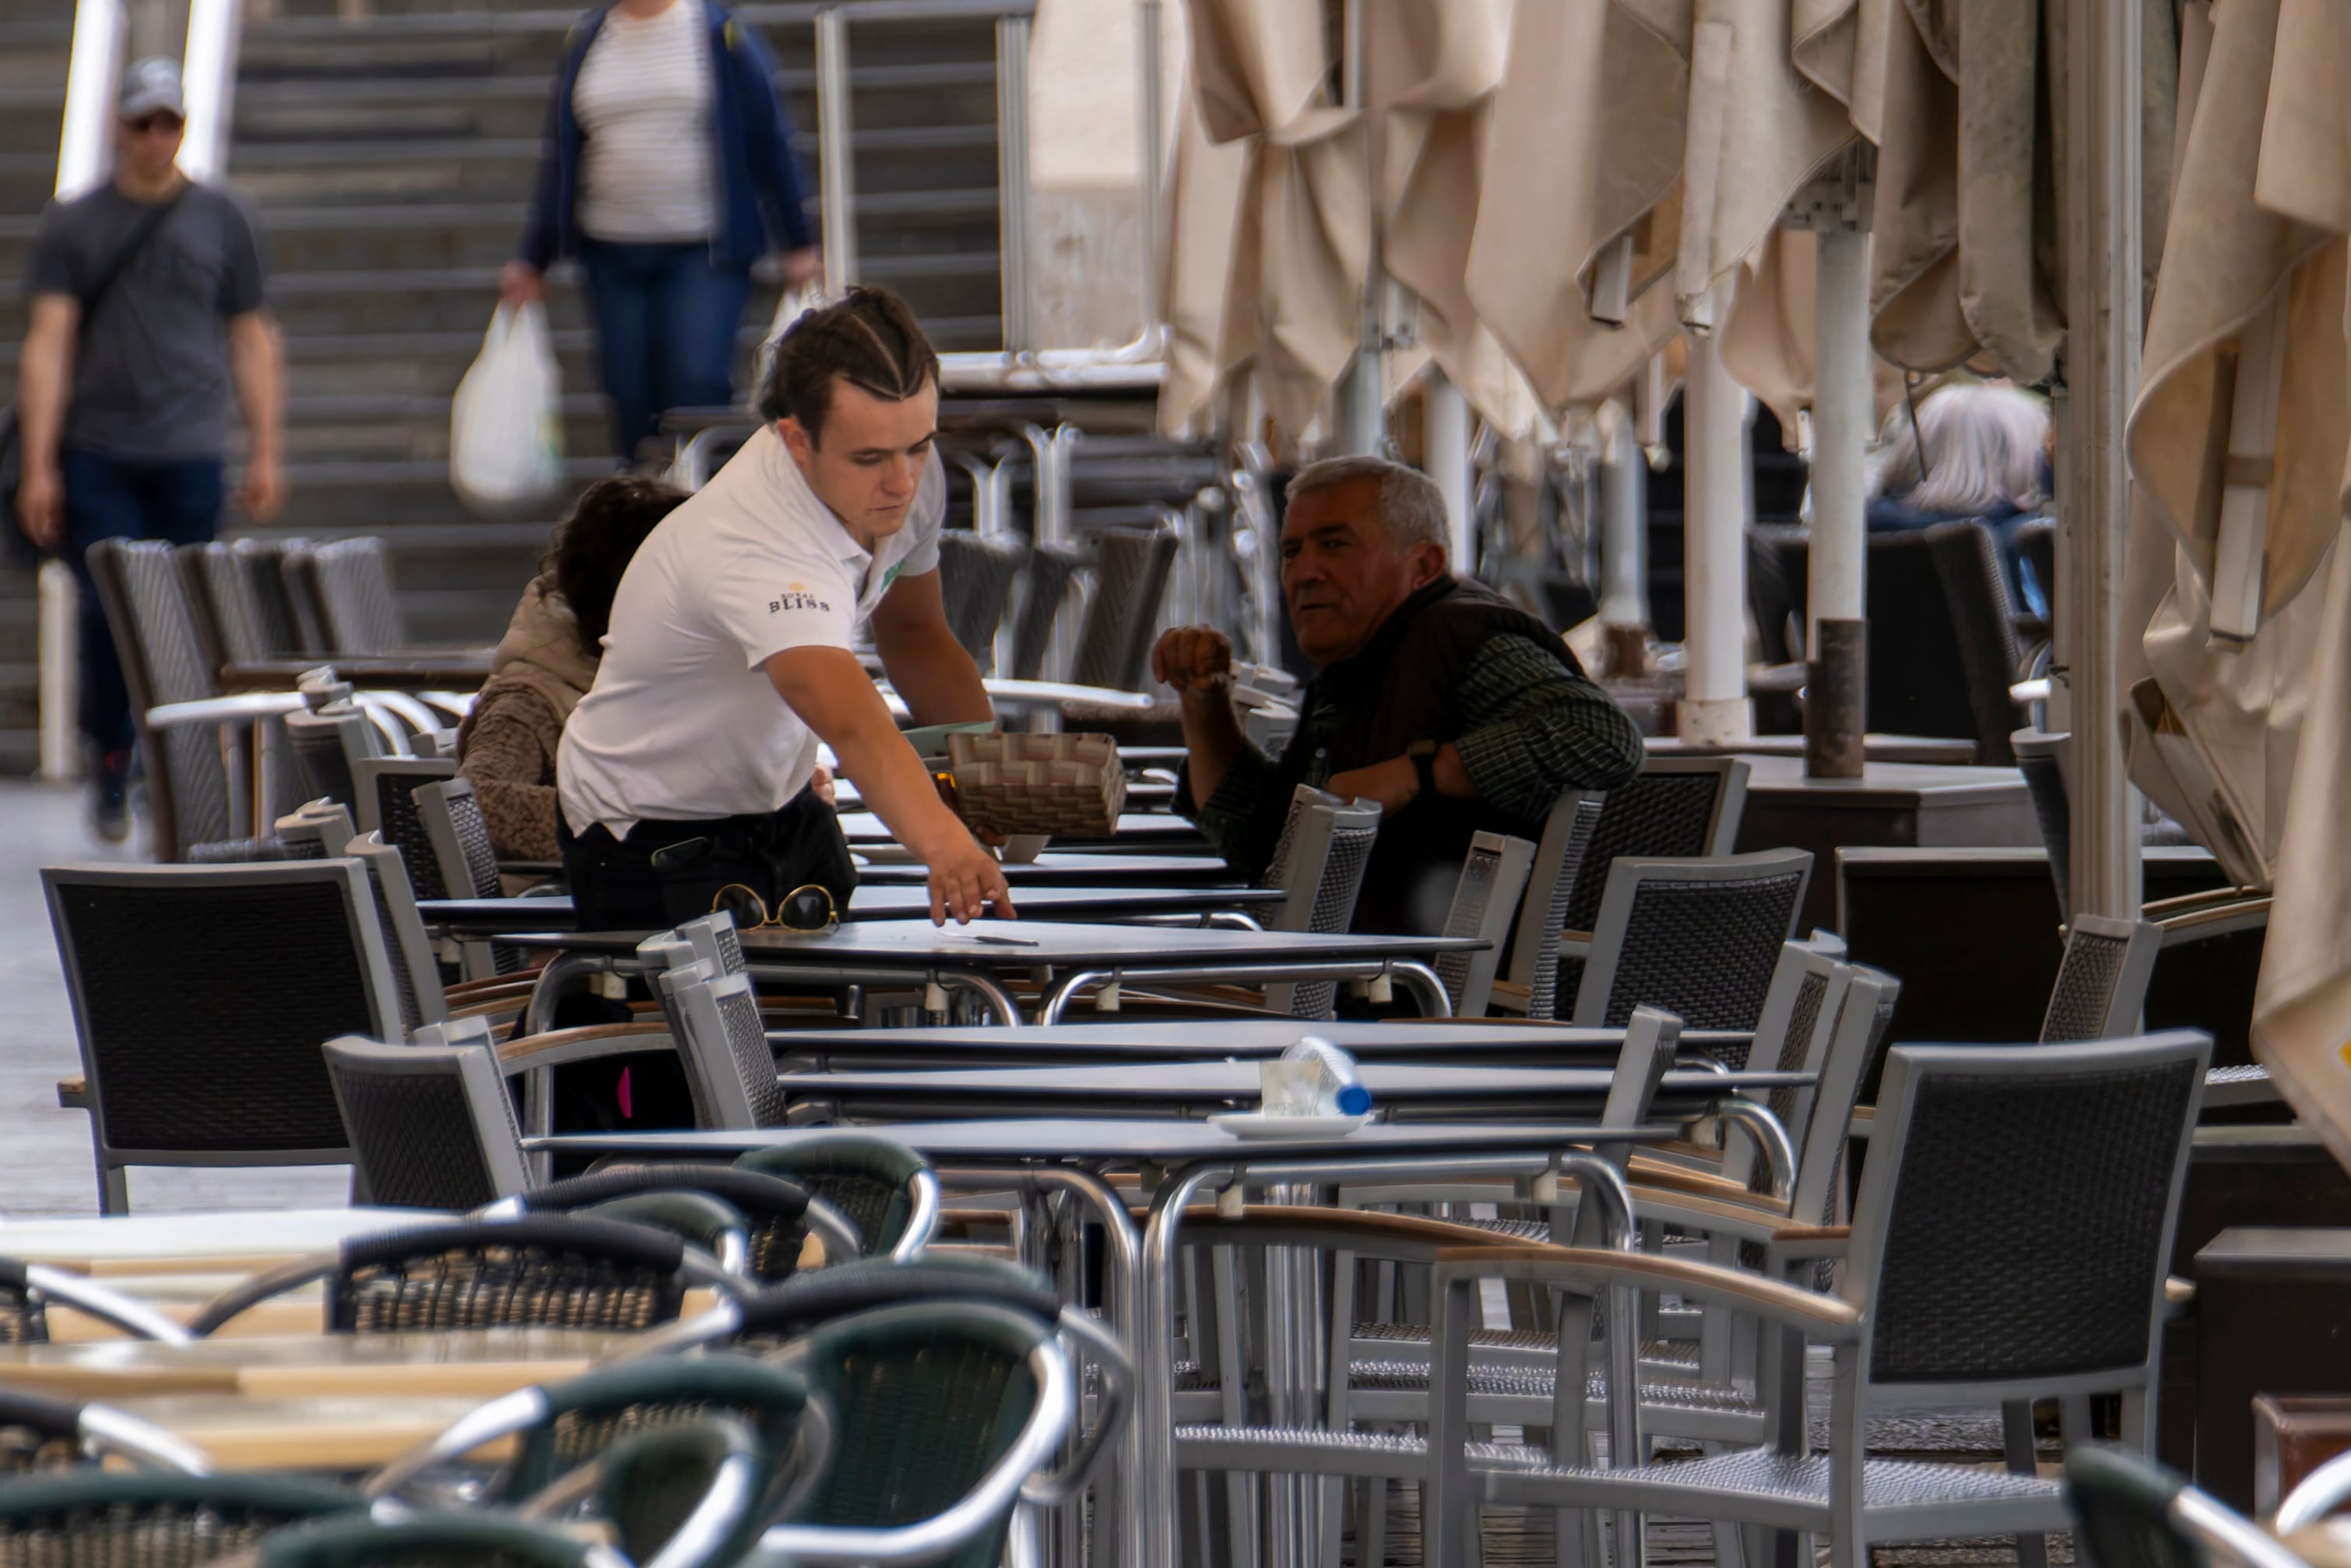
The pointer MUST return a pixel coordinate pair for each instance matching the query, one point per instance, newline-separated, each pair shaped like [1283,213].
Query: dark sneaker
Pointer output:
[111,813]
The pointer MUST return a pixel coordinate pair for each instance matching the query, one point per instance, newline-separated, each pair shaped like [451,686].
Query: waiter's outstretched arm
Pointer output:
[931,670]
[834,697]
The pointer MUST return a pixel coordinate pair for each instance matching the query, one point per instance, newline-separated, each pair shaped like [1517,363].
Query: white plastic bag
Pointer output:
[790,307]
[506,423]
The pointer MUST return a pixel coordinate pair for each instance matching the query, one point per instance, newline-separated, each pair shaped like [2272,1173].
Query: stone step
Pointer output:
[330,427]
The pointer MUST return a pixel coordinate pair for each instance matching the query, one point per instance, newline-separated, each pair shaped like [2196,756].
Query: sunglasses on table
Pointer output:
[805,909]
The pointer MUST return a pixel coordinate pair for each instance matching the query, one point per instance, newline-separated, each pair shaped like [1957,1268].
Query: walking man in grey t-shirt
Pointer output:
[123,388]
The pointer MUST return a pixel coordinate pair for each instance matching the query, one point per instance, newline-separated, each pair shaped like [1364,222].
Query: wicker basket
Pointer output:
[1065,784]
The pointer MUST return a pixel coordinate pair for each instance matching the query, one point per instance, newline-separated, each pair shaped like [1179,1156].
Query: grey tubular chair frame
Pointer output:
[354,737]
[417,968]
[1313,899]
[461,870]
[1780,1488]
[408,834]
[474,1069]
[1533,980]
[1503,862]
[696,1000]
[2141,940]
[315,831]
[379,998]
[1628,874]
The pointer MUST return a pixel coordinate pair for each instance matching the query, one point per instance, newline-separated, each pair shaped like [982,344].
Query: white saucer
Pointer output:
[1258,1125]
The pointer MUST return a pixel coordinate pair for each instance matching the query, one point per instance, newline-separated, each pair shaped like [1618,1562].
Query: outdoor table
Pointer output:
[498,916]
[308,1432]
[915,951]
[1075,868]
[1462,1042]
[1147,795]
[465,1364]
[228,1242]
[1154,830]
[1183,1161]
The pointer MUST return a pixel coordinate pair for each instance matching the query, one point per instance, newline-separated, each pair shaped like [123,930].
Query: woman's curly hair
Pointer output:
[592,546]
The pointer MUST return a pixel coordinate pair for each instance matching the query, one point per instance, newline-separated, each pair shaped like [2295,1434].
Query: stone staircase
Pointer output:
[389,157]
[36,37]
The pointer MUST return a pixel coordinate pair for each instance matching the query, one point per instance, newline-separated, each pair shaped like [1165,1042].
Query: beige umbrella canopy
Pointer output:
[2241,716]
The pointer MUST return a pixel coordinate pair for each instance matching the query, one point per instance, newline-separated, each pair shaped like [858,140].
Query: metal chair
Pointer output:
[39,1433]
[298,572]
[1942,649]
[103,1517]
[2102,981]
[884,1189]
[2043,758]
[222,591]
[777,1216]
[329,743]
[356,602]
[453,1539]
[27,1290]
[1318,862]
[556,1429]
[1532,988]
[1484,903]
[1045,586]
[200,996]
[199,769]
[467,865]
[977,572]
[722,1041]
[1131,570]
[535,1271]
[1675,806]
[684,1494]
[415,968]
[315,831]
[1699,938]
[385,788]
[2131,1513]
[2065,1299]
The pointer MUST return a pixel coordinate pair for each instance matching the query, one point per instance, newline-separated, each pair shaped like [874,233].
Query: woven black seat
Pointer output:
[454,825]
[200,994]
[385,789]
[470,1539]
[1699,938]
[541,1270]
[1130,569]
[2102,981]
[1044,585]
[327,744]
[150,1518]
[884,1188]
[975,575]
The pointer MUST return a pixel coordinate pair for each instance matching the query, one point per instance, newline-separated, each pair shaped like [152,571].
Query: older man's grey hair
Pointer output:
[1983,447]
[1405,500]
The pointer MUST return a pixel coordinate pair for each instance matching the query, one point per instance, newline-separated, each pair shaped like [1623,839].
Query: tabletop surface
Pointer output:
[439,1347]
[1180,1081]
[1195,1039]
[1077,868]
[300,1432]
[1123,1141]
[865,828]
[284,1233]
[1008,943]
[895,902]
[1774,774]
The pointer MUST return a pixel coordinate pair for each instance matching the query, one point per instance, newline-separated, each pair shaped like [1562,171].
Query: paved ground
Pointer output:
[45,1163]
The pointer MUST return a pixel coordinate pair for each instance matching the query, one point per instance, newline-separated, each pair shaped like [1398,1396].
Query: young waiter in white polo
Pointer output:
[689,766]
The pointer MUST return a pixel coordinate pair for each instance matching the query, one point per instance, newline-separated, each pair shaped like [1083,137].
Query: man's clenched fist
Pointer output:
[1193,659]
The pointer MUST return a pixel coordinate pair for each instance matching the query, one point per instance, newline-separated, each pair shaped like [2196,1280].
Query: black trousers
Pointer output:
[617,886]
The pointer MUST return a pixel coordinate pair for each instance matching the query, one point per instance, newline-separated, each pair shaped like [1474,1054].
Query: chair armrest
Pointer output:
[1864,1121]
[1803,1243]
[2178,1292]
[242,708]
[1745,1218]
[73,1093]
[558,1046]
[1509,997]
[1587,1270]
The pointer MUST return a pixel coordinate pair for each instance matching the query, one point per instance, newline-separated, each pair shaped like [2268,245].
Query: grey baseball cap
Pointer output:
[149,85]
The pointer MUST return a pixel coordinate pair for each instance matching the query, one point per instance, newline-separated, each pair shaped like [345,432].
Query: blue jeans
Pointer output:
[665,323]
[115,498]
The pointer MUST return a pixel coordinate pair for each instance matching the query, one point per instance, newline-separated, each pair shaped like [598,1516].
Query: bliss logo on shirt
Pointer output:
[797,597]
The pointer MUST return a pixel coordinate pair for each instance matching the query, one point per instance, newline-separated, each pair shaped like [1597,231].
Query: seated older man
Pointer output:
[1437,697]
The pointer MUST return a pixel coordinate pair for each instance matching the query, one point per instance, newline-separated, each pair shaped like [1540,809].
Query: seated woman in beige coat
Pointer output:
[547,662]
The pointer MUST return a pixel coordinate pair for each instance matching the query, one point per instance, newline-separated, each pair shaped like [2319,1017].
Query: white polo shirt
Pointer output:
[682,723]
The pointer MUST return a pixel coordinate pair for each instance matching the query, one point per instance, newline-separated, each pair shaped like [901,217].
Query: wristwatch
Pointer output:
[1424,763]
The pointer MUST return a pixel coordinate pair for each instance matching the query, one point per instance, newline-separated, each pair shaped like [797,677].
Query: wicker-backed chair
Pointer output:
[685,1494]
[1531,988]
[975,575]
[28,1291]
[1318,862]
[228,612]
[200,996]
[778,1216]
[537,1271]
[40,1433]
[2064,1281]
[415,967]
[2129,1512]
[1130,570]
[94,1518]
[467,863]
[1045,585]
[314,830]
[2102,981]
[1942,651]
[1485,902]
[730,1068]
[1676,807]
[556,1428]
[469,1538]
[355,597]
[2043,757]
[1699,937]
[329,743]
[385,788]
[886,1190]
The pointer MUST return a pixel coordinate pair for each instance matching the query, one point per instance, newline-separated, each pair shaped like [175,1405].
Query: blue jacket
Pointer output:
[759,173]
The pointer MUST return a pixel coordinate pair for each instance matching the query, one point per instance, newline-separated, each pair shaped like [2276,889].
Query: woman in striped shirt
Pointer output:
[667,170]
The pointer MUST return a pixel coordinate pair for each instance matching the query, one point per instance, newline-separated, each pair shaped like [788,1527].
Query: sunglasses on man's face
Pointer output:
[149,124]
[806,909]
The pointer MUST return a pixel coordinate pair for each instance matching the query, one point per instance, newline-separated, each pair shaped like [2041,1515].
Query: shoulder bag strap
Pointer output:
[129,252]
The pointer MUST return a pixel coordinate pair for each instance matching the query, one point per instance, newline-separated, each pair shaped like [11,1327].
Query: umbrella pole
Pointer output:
[2101,244]
[1837,691]
[1624,549]
[1714,707]
[1445,458]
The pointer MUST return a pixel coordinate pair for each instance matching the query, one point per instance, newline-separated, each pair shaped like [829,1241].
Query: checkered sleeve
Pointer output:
[1533,728]
[1242,821]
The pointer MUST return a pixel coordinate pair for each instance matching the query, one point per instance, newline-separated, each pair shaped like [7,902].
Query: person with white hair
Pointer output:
[1455,710]
[1977,452]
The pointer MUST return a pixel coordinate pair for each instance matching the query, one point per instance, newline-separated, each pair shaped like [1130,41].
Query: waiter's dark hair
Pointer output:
[593,546]
[869,340]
